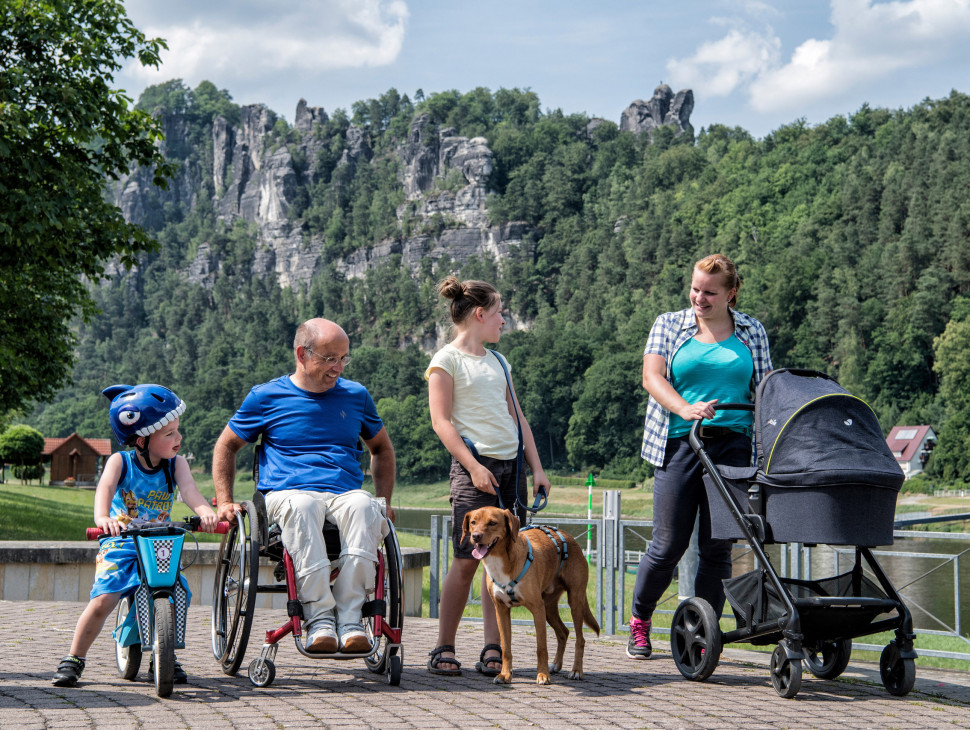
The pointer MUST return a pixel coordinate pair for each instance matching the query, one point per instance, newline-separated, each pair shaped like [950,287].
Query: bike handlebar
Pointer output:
[191,524]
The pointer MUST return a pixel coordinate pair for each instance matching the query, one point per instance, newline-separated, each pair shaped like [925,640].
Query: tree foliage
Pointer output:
[852,238]
[63,132]
[21,446]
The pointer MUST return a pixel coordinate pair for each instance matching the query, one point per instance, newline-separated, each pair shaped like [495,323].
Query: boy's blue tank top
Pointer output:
[141,494]
[703,371]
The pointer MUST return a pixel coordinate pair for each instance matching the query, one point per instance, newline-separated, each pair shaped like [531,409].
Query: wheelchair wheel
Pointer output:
[128,658]
[163,649]
[234,593]
[394,598]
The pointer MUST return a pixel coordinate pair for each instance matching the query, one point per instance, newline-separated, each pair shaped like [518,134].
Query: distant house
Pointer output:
[911,445]
[76,458]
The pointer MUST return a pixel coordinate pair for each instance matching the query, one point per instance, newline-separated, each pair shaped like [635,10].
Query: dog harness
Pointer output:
[557,539]
[561,548]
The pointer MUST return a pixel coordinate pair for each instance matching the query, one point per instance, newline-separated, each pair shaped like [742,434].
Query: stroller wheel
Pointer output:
[898,674]
[695,639]
[828,659]
[786,675]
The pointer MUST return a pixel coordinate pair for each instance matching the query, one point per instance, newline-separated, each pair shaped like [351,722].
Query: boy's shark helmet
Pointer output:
[140,410]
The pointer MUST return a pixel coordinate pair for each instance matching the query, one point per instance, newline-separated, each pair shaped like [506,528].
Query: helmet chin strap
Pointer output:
[166,463]
[143,450]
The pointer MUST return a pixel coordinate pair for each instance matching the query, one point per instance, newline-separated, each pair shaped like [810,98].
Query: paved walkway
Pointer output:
[616,692]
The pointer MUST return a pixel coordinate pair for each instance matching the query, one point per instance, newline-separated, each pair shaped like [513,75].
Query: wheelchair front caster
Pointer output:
[262,672]
[394,666]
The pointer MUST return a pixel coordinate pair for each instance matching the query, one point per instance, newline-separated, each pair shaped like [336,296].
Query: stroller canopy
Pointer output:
[813,432]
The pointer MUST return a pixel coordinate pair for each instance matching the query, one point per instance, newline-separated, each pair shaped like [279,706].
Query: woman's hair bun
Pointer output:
[451,288]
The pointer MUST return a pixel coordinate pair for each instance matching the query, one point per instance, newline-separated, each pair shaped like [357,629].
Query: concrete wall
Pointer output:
[64,571]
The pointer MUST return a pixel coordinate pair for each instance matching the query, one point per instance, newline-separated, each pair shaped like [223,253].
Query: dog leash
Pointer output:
[541,497]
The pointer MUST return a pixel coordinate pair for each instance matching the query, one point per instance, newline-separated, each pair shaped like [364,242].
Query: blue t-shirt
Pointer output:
[140,493]
[310,440]
[705,371]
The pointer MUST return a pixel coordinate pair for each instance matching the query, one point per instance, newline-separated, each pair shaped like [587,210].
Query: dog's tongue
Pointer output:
[479,551]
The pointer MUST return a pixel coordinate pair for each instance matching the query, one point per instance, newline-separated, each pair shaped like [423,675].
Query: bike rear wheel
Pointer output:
[128,658]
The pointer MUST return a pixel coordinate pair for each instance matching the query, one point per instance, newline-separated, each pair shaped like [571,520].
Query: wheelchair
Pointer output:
[237,584]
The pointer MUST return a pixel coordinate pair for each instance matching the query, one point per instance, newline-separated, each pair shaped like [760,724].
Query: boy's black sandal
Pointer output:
[178,673]
[68,672]
[483,665]
[436,660]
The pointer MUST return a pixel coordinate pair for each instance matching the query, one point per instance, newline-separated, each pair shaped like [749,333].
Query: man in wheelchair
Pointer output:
[309,471]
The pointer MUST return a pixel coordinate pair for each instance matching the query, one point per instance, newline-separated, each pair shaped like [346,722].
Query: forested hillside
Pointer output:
[851,239]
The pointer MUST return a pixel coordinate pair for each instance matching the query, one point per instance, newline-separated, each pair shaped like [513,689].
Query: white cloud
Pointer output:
[870,41]
[720,67]
[254,39]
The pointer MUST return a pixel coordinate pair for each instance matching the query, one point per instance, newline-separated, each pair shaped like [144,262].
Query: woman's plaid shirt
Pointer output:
[669,332]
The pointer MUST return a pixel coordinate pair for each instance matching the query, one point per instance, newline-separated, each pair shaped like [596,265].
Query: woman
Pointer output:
[694,358]
[472,401]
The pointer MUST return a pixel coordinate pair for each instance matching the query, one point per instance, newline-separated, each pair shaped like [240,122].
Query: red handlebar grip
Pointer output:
[222,528]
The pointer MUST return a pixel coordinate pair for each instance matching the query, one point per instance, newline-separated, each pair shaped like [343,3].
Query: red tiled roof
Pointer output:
[102,447]
[906,446]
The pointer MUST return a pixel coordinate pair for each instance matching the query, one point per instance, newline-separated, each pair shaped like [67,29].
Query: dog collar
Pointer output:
[509,587]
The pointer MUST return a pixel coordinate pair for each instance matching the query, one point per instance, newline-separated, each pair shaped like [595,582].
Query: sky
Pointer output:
[757,64]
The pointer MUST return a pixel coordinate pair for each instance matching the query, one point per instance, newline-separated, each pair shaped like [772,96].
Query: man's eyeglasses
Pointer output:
[330,360]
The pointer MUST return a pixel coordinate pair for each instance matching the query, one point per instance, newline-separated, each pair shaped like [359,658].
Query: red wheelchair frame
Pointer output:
[237,585]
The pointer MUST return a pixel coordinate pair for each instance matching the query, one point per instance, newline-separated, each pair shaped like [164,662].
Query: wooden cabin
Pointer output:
[75,458]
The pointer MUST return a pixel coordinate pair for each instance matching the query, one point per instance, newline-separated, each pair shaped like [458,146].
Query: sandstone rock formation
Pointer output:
[663,109]
[257,177]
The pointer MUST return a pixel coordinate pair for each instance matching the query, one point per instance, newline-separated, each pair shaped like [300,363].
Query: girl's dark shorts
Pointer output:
[466,498]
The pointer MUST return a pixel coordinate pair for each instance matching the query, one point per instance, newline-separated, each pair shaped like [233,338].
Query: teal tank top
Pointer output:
[722,370]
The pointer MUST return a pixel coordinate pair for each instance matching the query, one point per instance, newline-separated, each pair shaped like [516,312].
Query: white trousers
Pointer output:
[360,519]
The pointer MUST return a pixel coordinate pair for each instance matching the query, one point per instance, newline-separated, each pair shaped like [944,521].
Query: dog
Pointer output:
[557,565]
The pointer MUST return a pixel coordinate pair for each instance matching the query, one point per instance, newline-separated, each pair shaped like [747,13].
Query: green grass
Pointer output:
[31,512]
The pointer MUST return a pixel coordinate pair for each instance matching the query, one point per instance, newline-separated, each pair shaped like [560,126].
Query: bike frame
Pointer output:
[159,551]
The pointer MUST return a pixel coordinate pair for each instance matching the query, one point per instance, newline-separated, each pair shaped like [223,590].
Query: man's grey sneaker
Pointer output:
[322,637]
[639,647]
[353,639]
[68,671]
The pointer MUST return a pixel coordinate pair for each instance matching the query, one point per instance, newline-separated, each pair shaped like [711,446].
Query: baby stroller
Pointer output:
[824,475]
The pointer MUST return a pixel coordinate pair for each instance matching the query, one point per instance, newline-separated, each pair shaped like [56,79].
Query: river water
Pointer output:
[926,584]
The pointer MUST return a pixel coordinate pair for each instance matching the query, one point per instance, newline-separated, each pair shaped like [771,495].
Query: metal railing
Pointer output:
[611,560]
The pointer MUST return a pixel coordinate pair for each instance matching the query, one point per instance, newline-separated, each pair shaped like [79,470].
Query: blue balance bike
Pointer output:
[154,615]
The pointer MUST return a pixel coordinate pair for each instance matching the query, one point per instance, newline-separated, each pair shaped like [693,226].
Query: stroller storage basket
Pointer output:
[841,607]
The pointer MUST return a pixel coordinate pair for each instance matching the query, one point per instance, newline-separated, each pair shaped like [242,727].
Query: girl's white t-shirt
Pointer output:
[479,410]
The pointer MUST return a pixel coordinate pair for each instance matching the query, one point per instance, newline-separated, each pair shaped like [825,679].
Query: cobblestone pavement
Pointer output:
[616,692]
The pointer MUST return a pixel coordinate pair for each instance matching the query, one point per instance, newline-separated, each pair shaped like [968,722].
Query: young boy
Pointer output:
[136,484]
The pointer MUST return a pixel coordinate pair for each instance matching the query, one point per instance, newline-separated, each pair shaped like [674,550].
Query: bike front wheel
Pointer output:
[163,649]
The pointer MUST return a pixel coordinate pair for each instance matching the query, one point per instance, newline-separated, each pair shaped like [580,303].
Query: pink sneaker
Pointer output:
[639,646]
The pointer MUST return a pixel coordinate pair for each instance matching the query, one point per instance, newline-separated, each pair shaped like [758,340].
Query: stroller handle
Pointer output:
[695,440]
